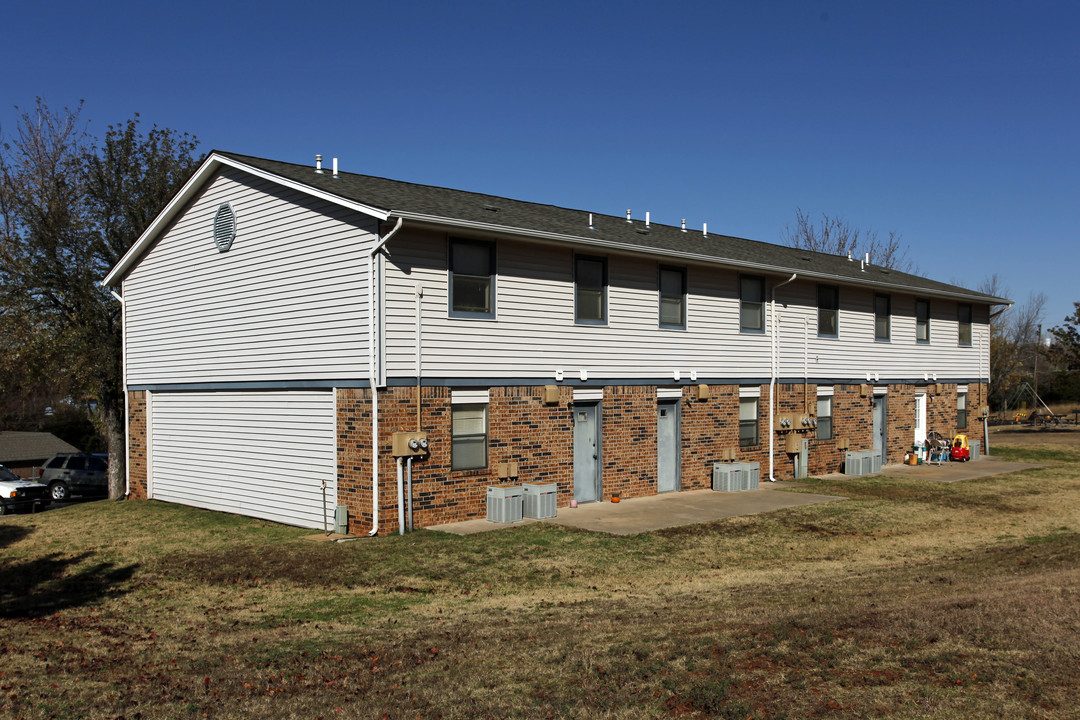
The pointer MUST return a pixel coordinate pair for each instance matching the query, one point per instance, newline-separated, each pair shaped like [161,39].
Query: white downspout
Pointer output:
[774,338]
[123,381]
[373,379]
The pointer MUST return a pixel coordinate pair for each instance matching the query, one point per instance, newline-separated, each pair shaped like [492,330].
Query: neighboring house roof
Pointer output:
[17,447]
[430,205]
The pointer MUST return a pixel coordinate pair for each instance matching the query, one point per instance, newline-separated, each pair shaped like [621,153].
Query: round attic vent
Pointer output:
[224,227]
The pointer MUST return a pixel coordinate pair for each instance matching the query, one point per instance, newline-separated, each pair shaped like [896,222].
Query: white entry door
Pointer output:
[920,418]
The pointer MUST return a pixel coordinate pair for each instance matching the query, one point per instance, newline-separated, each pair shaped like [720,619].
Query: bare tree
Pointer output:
[1014,340]
[837,236]
[70,210]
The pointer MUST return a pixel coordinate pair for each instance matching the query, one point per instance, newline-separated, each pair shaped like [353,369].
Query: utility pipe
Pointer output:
[774,338]
[419,298]
[373,378]
[400,496]
[408,475]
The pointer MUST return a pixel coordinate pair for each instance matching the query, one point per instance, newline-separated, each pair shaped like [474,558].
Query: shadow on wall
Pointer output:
[44,585]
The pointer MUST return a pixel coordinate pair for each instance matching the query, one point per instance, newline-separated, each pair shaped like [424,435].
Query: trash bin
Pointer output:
[976,449]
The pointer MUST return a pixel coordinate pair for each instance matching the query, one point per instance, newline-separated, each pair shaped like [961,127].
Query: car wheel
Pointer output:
[4,508]
[59,491]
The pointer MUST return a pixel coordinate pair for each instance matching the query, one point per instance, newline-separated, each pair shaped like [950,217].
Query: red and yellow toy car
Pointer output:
[961,451]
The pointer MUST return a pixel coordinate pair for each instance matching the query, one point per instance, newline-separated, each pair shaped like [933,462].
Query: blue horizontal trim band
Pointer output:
[573,380]
[568,380]
[254,385]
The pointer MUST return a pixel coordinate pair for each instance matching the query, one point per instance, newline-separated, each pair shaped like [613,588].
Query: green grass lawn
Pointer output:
[909,600]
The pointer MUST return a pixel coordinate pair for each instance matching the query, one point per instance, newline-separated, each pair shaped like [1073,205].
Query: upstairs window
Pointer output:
[672,297]
[922,321]
[963,320]
[828,310]
[472,278]
[882,317]
[751,304]
[590,297]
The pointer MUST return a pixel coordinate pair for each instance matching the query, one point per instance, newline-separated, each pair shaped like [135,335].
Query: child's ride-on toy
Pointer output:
[961,451]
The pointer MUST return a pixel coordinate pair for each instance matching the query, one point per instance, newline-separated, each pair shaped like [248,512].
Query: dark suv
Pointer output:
[69,474]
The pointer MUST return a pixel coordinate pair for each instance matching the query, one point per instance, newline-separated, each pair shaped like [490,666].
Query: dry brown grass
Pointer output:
[909,600]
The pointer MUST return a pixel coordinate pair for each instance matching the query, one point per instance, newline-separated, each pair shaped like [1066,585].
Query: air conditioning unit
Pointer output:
[539,499]
[732,477]
[862,462]
[504,503]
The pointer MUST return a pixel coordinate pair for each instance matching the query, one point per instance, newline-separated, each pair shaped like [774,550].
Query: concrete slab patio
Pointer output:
[656,512]
[950,472]
[638,515]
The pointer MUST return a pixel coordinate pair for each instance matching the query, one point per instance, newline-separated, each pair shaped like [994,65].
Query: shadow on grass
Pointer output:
[11,534]
[43,585]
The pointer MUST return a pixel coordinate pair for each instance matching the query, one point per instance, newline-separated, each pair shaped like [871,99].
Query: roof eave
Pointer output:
[503,230]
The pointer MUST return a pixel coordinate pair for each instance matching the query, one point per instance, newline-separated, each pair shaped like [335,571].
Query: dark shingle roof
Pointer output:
[21,447]
[465,209]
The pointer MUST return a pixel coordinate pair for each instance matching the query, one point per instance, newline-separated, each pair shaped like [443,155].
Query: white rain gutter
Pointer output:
[774,341]
[123,381]
[373,379]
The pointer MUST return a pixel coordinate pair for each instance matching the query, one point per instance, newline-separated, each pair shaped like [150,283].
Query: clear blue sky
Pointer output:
[957,124]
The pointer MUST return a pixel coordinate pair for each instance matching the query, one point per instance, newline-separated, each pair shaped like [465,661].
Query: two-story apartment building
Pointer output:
[283,322]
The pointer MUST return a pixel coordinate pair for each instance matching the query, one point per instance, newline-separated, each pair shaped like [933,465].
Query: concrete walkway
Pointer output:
[638,515]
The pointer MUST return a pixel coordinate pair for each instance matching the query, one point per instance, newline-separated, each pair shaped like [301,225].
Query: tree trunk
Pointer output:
[117,440]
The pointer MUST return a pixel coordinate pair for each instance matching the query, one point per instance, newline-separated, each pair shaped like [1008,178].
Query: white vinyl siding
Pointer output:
[535,333]
[287,301]
[263,454]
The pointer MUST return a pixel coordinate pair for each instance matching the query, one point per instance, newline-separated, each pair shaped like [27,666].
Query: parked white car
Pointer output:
[17,493]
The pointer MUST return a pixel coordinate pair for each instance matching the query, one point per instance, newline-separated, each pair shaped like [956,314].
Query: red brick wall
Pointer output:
[137,469]
[539,438]
[628,441]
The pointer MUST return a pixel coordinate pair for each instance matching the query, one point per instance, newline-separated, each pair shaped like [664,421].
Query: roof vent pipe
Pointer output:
[335,168]
[590,221]
[628,216]
[318,164]
[705,229]
[850,259]
[684,224]
[646,218]
[867,258]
